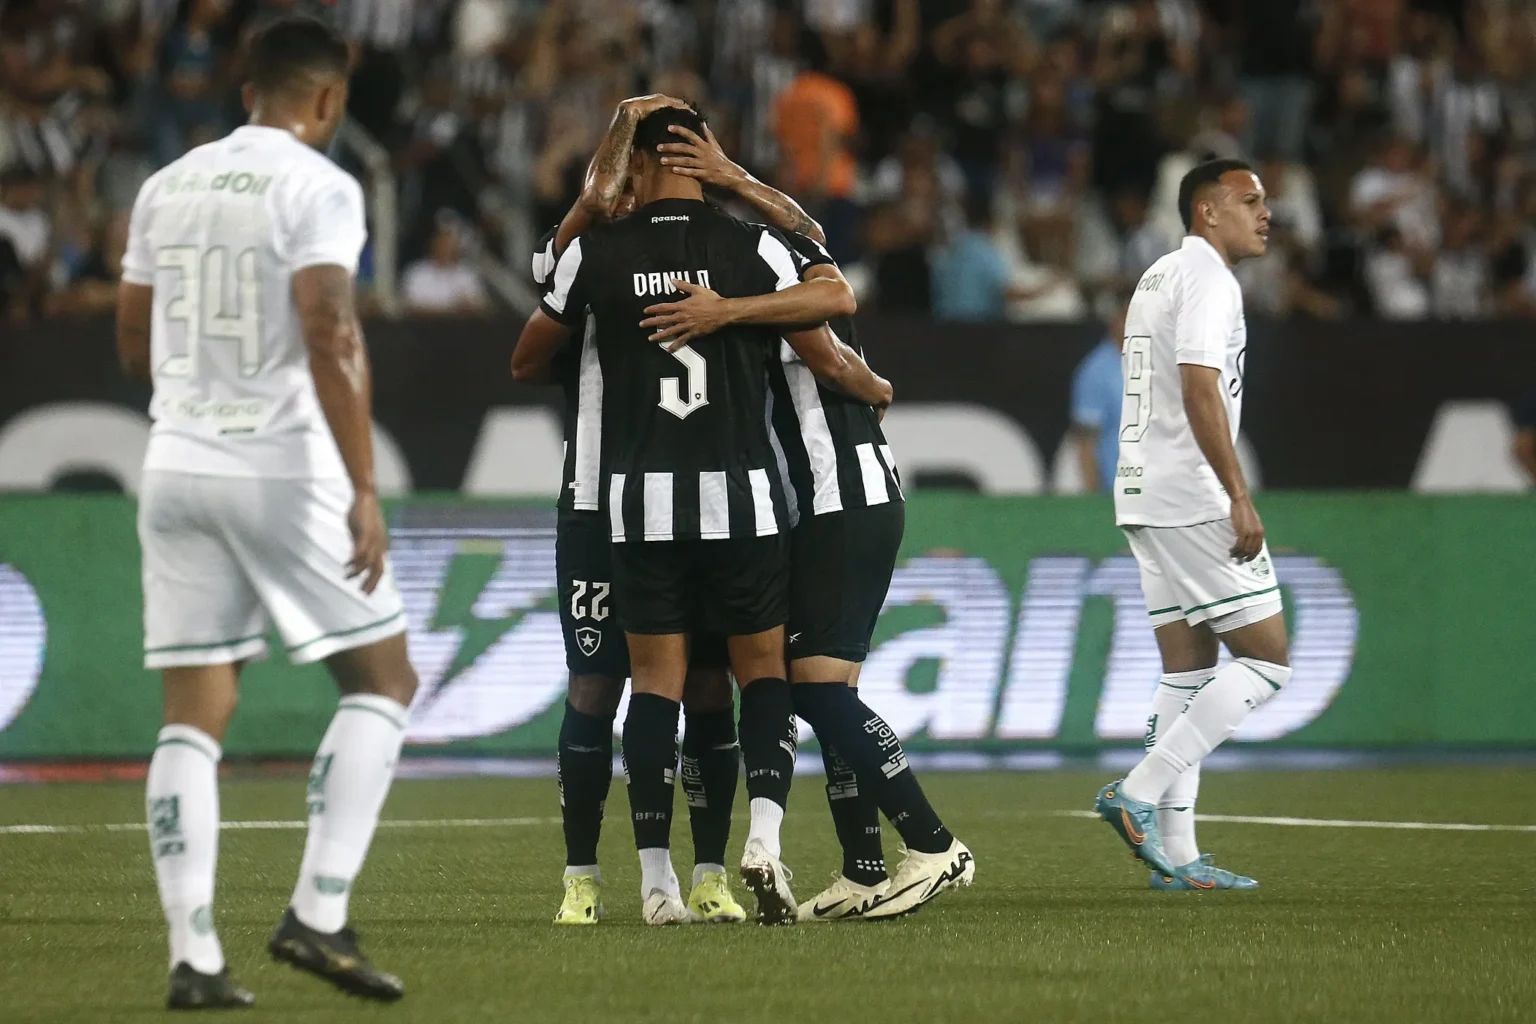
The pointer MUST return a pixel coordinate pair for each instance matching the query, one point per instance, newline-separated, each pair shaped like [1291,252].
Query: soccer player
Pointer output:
[594,644]
[851,516]
[258,505]
[1182,501]
[695,506]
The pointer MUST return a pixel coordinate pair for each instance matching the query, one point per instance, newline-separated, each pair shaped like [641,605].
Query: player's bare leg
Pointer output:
[856,738]
[658,671]
[584,773]
[711,763]
[1189,662]
[1259,669]
[768,740]
[182,804]
[348,783]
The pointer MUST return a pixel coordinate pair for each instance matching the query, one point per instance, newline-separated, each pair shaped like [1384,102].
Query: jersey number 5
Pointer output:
[698,385]
[203,304]
[1138,386]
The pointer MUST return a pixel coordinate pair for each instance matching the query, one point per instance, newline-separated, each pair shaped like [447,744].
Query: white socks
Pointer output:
[700,870]
[1176,810]
[1211,718]
[347,787]
[767,816]
[181,801]
[656,872]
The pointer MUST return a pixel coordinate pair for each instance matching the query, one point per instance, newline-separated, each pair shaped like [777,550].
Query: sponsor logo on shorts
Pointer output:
[589,640]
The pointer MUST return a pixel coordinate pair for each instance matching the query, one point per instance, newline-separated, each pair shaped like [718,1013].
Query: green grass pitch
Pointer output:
[1351,924]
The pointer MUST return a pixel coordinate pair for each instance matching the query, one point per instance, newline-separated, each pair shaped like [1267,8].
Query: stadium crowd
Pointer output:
[969,159]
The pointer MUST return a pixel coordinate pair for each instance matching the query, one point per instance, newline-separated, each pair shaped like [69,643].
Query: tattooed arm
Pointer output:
[609,169]
[703,159]
[322,295]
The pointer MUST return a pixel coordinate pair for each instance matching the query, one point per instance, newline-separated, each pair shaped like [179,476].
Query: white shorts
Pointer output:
[1188,572]
[226,558]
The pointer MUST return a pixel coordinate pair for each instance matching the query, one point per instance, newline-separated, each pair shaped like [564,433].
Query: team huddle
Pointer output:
[730,512]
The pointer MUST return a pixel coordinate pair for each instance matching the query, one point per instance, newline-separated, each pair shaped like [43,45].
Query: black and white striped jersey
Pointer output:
[580,377]
[836,456]
[685,447]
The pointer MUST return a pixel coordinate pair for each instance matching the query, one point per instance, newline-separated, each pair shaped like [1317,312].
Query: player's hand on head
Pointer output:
[675,324]
[370,541]
[652,102]
[701,158]
[1249,529]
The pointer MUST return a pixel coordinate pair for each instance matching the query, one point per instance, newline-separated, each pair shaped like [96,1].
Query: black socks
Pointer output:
[856,817]
[584,768]
[650,763]
[872,749]
[711,764]
[768,738]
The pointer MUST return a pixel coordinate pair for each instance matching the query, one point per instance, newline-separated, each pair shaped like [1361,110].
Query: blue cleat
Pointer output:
[1201,876]
[1136,822]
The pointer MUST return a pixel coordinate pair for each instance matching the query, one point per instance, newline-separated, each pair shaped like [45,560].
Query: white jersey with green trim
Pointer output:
[1187,308]
[219,235]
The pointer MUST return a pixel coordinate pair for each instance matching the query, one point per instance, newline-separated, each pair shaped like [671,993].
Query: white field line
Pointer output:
[1411,826]
[1233,819]
[274,826]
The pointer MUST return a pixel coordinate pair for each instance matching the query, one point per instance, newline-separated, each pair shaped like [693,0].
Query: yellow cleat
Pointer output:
[583,901]
[711,900]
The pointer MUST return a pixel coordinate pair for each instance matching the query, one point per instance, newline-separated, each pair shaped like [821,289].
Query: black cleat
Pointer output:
[192,990]
[334,957]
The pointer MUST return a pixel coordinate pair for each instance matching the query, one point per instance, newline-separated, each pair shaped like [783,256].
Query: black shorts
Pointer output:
[736,586]
[840,569]
[594,640]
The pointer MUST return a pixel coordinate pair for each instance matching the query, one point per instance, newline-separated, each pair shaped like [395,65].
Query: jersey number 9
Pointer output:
[1138,386]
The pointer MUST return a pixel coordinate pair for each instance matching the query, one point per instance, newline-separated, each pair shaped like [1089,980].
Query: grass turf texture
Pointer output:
[1351,924]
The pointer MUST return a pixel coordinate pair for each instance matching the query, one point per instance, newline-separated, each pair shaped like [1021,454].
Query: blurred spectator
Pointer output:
[985,53]
[814,121]
[1134,65]
[918,155]
[1392,189]
[193,64]
[1050,174]
[26,236]
[971,279]
[1142,241]
[1458,278]
[382,32]
[443,283]
[92,286]
[1098,392]
[1394,278]
[1275,52]
[1525,434]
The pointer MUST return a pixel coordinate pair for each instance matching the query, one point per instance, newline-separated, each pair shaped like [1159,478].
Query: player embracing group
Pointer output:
[730,509]
[730,512]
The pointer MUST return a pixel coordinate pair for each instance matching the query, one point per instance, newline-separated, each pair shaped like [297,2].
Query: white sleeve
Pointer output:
[1203,319]
[328,225]
[784,262]
[139,257]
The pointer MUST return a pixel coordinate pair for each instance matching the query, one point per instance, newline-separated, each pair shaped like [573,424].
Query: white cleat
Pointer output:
[843,900]
[921,877]
[663,908]
[768,879]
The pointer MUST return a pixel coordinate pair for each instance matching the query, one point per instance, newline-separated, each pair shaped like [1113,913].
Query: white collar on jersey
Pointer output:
[1196,242]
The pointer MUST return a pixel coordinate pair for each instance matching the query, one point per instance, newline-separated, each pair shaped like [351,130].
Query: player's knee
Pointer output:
[1267,677]
[707,690]
[594,694]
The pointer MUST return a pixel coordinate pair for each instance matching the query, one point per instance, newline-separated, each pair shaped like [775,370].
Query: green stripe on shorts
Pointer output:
[1229,600]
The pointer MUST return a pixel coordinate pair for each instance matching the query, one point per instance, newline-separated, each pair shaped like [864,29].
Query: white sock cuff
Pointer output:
[378,704]
[191,736]
[699,870]
[584,871]
[1187,682]
[1273,677]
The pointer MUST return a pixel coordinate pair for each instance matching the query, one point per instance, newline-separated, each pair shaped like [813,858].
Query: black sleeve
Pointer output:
[565,300]
[809,250]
